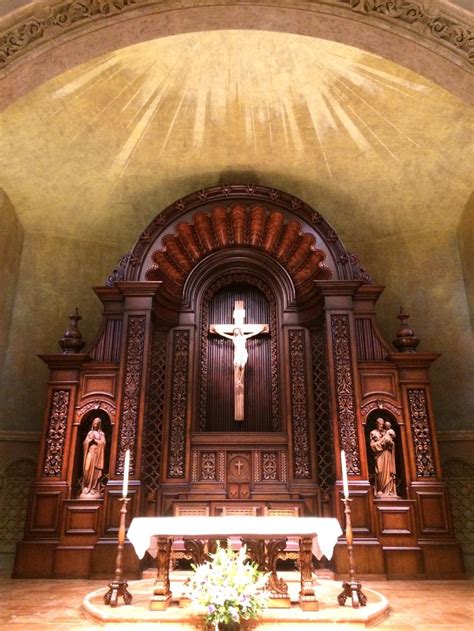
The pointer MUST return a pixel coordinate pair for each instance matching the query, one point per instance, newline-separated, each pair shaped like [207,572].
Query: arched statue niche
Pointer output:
[93,454]
[220,351]
[384,454]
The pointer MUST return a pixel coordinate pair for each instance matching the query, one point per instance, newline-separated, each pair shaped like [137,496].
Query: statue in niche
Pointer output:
[382,444]
[93,460]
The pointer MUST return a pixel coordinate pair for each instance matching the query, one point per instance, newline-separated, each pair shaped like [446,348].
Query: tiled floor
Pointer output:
[47,605]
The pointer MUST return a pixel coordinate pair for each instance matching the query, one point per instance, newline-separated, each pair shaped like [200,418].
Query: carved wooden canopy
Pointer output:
[239,218]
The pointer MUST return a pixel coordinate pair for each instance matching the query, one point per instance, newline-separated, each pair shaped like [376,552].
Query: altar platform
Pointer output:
[184,619]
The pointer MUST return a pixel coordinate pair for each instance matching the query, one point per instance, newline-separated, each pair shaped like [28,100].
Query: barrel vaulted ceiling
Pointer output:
[109,143]
[91,156]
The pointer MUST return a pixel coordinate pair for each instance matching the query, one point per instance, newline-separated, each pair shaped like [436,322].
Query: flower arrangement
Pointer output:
[228,587]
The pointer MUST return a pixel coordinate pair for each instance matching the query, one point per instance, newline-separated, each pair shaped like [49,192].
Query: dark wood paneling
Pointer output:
[34,559]
[81,520]
[443,559]
[45,512]
[257,377]
[433,512]
[112,511]
[72,561]
[403,562]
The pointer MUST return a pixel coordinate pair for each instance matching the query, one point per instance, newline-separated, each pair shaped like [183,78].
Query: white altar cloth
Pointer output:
[324,531]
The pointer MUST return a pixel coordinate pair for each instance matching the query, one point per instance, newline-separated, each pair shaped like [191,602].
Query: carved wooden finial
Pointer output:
[406,341]
[72,341]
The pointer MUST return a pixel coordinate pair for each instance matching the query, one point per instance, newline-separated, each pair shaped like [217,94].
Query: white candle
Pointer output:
[126,468]
[345,482]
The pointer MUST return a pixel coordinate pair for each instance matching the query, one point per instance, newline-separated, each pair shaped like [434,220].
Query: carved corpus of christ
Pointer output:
[239,333]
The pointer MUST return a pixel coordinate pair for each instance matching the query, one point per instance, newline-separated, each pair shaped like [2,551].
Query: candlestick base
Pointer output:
[352,590]
[116,590]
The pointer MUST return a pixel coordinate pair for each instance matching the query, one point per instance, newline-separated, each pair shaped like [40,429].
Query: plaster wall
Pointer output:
[466,252]
[11,243]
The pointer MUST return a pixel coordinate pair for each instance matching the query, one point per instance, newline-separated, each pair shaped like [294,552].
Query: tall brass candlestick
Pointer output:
[351,588]
[118,587]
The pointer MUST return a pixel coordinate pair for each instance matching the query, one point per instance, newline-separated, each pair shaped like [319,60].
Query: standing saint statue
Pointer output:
[93,459]
[382,444]
[239,333]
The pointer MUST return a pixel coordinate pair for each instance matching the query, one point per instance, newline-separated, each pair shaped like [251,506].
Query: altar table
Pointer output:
[264,537]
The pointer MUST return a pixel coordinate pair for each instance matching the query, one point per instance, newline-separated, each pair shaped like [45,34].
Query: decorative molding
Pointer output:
[345,397]
[97,404]
[430,21]
[379,404]
[131,392]
[454,435]
[299,405]
[441,25]
[153,431]
[420,428]
[15,436]
[56,433]
[177,431]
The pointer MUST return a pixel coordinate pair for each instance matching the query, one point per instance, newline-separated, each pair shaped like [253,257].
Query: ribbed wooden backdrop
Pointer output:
[220,383]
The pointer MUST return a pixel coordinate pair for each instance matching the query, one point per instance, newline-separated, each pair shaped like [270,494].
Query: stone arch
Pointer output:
[41,41]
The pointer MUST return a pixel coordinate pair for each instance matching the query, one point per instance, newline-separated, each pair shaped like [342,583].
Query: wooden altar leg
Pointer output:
[265,555]
[161,592]
[308,600]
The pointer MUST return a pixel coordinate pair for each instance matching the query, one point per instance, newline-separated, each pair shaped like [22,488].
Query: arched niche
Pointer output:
[83,430]
[388,417]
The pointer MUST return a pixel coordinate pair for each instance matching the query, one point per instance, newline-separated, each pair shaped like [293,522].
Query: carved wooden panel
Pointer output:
[131,392]
[270,465]
[433,512]
[262,410]
[153,431]
[98,384]
[81,519]
[345,397]
[322,413]
[369,347]
[45,512]
[107,348]
[179,391]
[420,429]
[376,383]
[56,433]
[299,405]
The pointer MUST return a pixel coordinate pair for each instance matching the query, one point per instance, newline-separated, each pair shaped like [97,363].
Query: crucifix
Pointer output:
[239,333]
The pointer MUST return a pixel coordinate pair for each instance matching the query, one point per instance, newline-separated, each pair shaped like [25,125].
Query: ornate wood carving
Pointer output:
[281,239]
[131,392]
[208,465]
[379,404]
[179,390]
[265,554]
[153,438]
[420,428]
[270,465]
[322,413]
[299,405]
[97,404]
[56,433]
[345,398]
[274,400]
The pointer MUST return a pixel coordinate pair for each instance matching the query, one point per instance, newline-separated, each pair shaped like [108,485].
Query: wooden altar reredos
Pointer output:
[163,386]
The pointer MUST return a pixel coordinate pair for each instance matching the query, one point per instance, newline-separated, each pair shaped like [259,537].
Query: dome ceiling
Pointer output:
[113,141]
